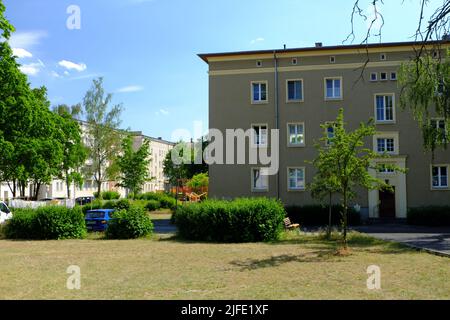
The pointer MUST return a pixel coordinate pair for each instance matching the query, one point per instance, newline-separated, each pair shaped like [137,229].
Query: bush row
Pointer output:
[166,201]
[108,195]
[429,216]
[240,220]
[46,223]
[317,215]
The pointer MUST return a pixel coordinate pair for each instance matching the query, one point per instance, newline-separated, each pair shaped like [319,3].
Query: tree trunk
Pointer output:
[329,217]
[68,185]
[36,192]
[345,218]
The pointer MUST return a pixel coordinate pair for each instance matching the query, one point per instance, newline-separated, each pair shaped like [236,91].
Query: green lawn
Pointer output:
[298,267]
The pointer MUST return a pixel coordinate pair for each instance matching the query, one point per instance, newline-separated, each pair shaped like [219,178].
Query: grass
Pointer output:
[296,267]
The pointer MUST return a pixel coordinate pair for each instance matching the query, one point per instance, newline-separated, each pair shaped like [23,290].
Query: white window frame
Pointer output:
[301,188]
[329,124]
[387,135]
[253,188]
[332,59]
[294,61]
[393,108]
[447,187]
[325,88]
[383,56]
[295,145]
[384,172]
[391,77]
[267,92]
[253,142]
[437,127]
[259,63]
[386,76]
[374,74]
[287,91]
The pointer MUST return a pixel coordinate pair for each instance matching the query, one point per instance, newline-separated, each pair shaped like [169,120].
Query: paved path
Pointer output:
[436,240]
[164,227]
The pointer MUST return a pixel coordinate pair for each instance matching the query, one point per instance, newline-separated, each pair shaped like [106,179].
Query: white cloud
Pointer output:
[72,65]
[66,73]
[163,112]
[31,69]
[21,53]
[26,39]
[260,39]
[85,76]
[55,74]
[130,89]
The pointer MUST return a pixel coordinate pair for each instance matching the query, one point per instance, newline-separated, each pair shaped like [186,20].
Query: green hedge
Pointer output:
[153,205]
[108,195]
[240,220]
[130,224]
[166,201]
[317,215]
[46,223]
[429,216]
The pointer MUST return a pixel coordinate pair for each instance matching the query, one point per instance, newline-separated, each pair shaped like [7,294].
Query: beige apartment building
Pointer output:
[297,90]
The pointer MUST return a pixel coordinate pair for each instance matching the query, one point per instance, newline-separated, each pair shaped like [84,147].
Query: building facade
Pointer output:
[58,188]
[297,90]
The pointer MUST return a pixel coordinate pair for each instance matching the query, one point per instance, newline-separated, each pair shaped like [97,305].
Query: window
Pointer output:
[385,145]
[385,168]
[259,92]
[296,134]
[439,129]
[333,88]
[258,63]
[260,180]
[393,76]
[296,178]
[384,107]
[294,90]
[383,76]
[259,135]
[294,61]
[383,56]
[332,59]
[373,76]
[439,176]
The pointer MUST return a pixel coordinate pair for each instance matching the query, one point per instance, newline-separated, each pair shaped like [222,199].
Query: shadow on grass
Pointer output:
[275,261]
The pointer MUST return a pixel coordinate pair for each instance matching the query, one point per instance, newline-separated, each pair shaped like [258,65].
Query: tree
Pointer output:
[74,151]
[188,168]
[102,128]
[345,162]
[199,182]
[425,90]
[134,165]
[324,183]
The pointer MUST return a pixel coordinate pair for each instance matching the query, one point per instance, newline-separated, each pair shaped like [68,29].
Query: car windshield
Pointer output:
[95,215]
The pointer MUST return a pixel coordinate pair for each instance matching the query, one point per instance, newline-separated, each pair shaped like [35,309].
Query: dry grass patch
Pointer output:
[297,267]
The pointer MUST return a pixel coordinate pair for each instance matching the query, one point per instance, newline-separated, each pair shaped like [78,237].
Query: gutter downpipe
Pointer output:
[277,125]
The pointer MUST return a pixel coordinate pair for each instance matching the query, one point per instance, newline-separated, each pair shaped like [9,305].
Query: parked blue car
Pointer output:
[98,219]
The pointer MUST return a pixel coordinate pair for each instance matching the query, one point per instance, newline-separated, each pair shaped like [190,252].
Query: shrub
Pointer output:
[317,215]
[123,204]
[166,201]
[240,220]
[130,224]
[110,204]
[429,216]
[153,205]
[96,204]
[108,195]
[47,223]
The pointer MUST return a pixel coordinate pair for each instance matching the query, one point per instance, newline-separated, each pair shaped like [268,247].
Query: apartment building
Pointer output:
[58,188]
[297,90]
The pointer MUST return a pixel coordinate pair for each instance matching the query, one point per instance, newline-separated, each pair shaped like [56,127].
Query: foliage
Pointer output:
[130,224]
[240,220]
[153,205]
[318,215]
[166,201]
[45,223]
[425,86]
[429,216]
[191,158]
[122,204]
[102,127]
[133,165]
[346,162]
[108,195]
[199,182]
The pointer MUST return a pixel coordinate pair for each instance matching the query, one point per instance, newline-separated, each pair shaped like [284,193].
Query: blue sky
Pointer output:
[146,50]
